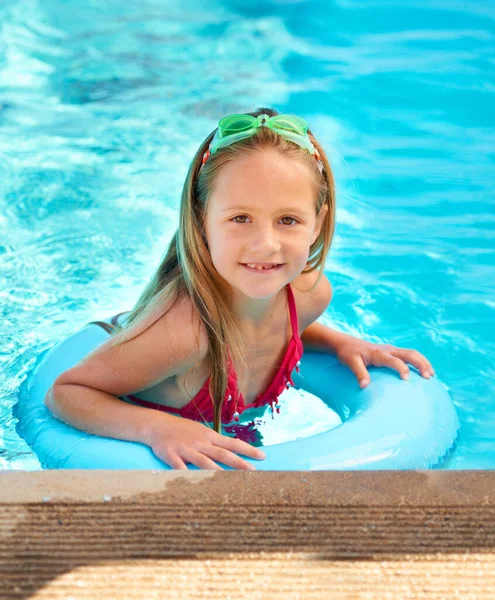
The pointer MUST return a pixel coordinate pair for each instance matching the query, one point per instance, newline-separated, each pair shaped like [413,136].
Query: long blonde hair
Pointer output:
[187,268]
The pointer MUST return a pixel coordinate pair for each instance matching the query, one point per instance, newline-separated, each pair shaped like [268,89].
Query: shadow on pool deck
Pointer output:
[206,534]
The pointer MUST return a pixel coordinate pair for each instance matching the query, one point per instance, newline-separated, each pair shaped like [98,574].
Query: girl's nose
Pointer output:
[265,239]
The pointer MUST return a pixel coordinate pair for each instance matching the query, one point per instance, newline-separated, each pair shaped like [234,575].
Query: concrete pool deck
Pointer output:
[278,535]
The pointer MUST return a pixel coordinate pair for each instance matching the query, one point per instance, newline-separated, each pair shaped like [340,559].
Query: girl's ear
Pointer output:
[319,222]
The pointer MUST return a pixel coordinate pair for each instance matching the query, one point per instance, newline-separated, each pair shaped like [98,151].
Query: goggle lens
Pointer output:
[235,124]
[290,123]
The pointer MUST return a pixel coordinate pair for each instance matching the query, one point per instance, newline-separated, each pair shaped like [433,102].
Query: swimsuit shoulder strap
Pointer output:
[293,311]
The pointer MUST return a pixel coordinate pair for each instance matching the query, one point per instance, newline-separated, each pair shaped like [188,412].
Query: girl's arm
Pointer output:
[354,352]
[172,439]
[317,337]
[87,396]
[100,413]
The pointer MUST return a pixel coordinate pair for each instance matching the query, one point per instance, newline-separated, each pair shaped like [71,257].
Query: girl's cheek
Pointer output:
[232,236]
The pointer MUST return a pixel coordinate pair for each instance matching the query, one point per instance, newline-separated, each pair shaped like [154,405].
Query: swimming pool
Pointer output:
[101,115]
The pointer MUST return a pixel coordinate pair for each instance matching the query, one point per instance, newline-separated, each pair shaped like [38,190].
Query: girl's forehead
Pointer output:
[265,163]
[260,178]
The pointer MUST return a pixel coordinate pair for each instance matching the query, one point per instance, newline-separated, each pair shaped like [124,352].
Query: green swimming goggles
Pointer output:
[233,128]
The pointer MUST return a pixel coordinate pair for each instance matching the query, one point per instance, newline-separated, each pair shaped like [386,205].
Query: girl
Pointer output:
[231,307]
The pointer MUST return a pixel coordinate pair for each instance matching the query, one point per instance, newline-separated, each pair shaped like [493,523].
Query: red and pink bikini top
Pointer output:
[200,408]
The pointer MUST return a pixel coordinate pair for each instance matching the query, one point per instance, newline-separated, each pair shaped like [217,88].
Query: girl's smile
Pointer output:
[262,270]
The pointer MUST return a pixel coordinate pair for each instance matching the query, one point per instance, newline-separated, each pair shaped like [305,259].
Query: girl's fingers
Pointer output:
[228,458]
[384,359]
[203,462]
[357,366]
[239,446]
[395,358]
[416,359]
[176,462]
[398,365]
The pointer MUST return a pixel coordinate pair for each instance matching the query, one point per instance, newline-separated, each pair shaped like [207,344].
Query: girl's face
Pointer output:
[262,210]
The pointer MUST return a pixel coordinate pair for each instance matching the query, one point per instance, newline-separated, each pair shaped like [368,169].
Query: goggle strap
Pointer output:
[206,156]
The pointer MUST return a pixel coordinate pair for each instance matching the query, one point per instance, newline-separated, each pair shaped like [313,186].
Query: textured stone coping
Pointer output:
[231,534]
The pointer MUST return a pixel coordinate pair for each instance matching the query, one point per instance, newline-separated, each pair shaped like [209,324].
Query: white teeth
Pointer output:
[260,268]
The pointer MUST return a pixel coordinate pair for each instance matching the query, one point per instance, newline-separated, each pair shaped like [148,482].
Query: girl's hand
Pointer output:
[176,441]
[358,354]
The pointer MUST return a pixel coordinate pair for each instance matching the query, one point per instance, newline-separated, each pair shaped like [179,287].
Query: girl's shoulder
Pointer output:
[182,324]
[179,328]
[311,303]
[157,348]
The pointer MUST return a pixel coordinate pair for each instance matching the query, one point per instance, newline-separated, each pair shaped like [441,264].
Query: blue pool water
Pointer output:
[103,105]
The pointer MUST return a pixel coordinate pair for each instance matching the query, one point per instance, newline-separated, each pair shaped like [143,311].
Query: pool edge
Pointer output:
[207,534]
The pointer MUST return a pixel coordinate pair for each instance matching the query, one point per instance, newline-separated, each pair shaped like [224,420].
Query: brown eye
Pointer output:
[239,217]
[291,218]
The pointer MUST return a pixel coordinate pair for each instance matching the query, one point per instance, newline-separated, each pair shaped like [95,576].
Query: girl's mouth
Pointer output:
[262,270]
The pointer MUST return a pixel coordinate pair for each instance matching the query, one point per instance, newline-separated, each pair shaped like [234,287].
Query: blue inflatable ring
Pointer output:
[391,424]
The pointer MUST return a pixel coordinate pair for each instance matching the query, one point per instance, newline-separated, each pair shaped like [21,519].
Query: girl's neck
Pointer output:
[256,316]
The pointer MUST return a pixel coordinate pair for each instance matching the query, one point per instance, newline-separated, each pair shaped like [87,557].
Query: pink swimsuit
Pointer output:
[200,408]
